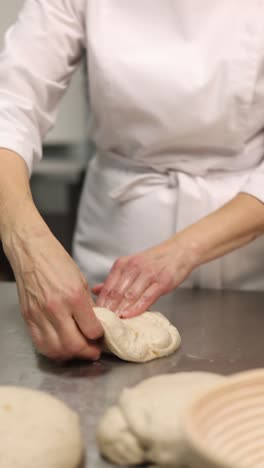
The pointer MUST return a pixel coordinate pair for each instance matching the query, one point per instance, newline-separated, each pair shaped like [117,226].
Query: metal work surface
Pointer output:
[221,332]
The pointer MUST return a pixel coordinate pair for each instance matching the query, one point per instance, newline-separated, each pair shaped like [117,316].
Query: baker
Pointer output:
[174,195]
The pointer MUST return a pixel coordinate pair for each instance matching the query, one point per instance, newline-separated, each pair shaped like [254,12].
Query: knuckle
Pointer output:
[119,263]
[75,296]
[52,305]
[135,262]
[54,311]
[159,284]
[165,278]
[105,292]
[131,295]
[27,313]
[138,263]
[151,276]
[114,294]
[145,298]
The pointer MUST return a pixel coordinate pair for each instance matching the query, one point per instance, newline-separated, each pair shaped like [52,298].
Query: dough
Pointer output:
[139,339]
[146,423]
[37,431]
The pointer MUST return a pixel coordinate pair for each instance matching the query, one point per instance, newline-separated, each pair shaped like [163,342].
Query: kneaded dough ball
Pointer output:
[37,431]
[146,423]
[139,339]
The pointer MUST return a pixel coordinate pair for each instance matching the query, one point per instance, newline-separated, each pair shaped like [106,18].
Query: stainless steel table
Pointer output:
[221,332]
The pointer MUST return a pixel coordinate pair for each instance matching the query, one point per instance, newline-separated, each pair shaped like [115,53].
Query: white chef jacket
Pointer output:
[177,109]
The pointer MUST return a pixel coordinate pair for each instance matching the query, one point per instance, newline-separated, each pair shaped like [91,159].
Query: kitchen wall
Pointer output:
[72,119]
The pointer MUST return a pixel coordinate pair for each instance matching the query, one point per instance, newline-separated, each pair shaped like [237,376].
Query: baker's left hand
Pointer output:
[135,282]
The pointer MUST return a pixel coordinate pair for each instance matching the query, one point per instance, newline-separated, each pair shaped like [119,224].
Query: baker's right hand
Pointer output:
[54,295]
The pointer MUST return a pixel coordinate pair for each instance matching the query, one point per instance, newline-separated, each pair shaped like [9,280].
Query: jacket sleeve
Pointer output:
[255,183]
[41,52]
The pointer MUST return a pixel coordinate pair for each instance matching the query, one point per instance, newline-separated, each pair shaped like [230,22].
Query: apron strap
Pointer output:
[144,184]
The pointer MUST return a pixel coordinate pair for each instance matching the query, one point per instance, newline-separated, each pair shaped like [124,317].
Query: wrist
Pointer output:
[20,226]
[12,207]
[188,248]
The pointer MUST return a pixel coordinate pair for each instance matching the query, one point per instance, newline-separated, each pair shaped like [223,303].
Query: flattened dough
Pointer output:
[146,423]
[37,431]
[139,339]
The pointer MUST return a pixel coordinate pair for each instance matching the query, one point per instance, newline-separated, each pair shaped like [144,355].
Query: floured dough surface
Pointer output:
[37,431]
[139,339]
[146,423]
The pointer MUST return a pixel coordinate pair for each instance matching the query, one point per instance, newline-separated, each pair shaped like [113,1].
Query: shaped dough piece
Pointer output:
[37,431]
[146,423]
[139,339]
[116,441]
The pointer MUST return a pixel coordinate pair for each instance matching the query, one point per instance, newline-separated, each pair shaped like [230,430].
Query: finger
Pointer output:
[72,343]
[87,321]
[97,288]
[110,287]
[78,305]
[119,294]
[60,338]
[133,292]
[35,332]
[44,337]
[148,298]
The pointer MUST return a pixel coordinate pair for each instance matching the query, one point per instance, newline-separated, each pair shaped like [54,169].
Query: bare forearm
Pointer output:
[14,184]
[15,196]
[235,224]
[135,282]
[20,220]
[54,296]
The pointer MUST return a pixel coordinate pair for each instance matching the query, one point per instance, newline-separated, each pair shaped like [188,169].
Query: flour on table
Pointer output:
[37,431]
[146,423]
[139,339]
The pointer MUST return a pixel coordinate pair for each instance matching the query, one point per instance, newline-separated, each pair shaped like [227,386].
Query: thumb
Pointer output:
[87,321]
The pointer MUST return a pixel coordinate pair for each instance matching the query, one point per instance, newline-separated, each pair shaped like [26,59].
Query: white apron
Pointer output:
[172,99]
[177,105]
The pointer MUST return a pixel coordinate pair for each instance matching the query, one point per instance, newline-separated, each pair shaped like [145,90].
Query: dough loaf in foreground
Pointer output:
[146,423]
[37,431]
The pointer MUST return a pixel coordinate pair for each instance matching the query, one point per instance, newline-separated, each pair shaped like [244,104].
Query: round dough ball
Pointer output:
[37,431]
[146,424]
[139,339]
